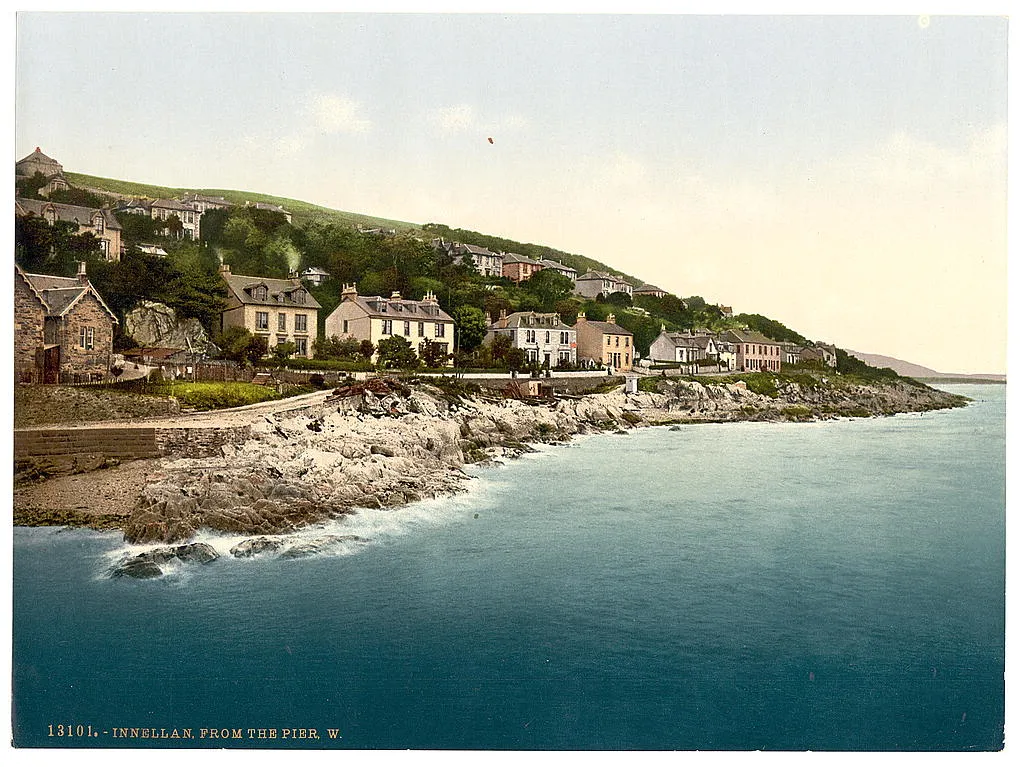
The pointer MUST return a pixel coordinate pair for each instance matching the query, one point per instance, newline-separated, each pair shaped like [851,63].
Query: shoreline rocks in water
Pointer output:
[147,564]
[381,449]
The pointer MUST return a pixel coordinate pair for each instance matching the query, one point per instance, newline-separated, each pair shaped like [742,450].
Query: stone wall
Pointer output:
[77,362]
[198,443]
[28,332]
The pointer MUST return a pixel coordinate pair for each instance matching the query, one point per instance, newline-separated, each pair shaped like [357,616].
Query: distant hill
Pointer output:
[910,370]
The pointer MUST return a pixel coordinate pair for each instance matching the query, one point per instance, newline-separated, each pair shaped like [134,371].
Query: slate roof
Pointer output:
[74,213]
[171,205]
[60,294]
[279,292]
[522,320]
[749,337]
[685,339]
[609,327]
[401,309]
[649,288]
[38,157]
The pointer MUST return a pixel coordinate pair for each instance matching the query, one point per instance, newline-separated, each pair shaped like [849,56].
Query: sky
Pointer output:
[845,175]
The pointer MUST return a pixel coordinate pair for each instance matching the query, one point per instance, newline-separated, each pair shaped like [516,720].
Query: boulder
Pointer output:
[154,324]
[253,546]
[147,564]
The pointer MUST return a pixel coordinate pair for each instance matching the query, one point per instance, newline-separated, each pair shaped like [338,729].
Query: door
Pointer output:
[51,365]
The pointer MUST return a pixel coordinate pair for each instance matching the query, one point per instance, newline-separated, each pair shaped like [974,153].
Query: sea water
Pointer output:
[829,586]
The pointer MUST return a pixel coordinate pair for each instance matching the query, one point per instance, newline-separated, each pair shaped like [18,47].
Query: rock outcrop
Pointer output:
[155,324]
[384,445]
[147,564]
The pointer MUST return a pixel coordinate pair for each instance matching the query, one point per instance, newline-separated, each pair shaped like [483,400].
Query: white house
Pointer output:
[374,318]
[543,336]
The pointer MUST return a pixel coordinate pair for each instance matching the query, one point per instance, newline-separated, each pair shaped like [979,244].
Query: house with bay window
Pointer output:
[279,311]
[543,336]
[604,344]
[374,318]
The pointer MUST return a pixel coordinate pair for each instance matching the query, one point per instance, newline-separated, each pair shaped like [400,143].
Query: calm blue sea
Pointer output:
[827,586]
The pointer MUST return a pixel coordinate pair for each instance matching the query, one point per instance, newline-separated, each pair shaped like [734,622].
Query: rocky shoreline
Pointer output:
[386,445]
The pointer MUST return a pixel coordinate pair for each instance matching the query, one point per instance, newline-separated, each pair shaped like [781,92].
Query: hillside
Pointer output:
[302,212]
[912,370]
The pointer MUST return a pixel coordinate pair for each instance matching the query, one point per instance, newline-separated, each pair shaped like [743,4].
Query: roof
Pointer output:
[401,308]
[749,337]
[59,294]
[549,264]
[266,206]
[522,320]
[515,258]
[649,288]
[38,156]
[171,205]
[686,339]
[315,270]
[608,327]
[279,292]
[74,213]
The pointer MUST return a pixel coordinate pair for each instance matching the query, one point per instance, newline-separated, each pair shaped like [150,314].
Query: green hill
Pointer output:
[302,212]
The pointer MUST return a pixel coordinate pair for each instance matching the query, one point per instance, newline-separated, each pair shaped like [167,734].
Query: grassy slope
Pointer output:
[302,212]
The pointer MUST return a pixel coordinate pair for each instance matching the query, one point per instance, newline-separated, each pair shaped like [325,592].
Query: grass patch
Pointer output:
[214,395]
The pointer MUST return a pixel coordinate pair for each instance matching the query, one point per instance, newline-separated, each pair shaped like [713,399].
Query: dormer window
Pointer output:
[97,223]
[299,296]
[260,292]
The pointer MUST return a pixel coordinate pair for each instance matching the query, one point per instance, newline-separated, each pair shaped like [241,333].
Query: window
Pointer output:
[386,327]
[407,330]
[300,323]
[262,320]
[260,293]
[626,342]
[344,326]
[421,330]
[299,296]
[87,337]
[98,224]
[282,322]
[547,336]
[616,340]
[301,346]
[105,248]
[438,330]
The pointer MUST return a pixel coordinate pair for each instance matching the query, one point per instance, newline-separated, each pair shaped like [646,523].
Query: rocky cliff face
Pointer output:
[382,448]
[154,324]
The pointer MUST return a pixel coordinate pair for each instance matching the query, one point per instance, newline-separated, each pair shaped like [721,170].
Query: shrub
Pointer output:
[215,395]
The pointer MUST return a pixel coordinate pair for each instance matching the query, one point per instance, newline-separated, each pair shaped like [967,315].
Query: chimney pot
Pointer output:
[82,274]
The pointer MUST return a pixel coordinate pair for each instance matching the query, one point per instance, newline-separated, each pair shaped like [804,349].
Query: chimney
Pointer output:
[348,292]
[610,319]
[396,296]
[581,317]
[430,298]
[225,270]
[82,276]
[502,319]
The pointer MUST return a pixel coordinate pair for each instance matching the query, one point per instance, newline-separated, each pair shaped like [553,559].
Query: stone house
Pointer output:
[47,167]
[63,329]
[374,318]
[96,221]
[543,336]
[593,283]
[754,351]
[187,214]
[278,311]
[314,276]
[518,268]
[604,343]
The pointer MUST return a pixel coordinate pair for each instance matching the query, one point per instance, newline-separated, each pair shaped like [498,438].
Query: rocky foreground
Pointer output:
[384,445]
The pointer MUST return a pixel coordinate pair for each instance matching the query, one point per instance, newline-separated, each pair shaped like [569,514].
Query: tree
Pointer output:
[395,352]
[240,345]
[366,348]
[549,287]
[335,348]
[283,351]
[619,299]
[470,327]
[433,354]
